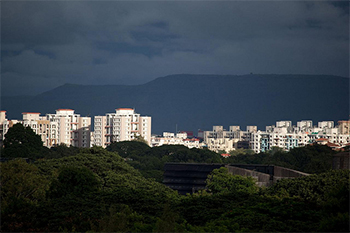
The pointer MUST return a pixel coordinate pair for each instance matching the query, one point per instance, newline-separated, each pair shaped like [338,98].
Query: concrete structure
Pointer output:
[178,139]
[286,136]
[123,125]
[64,127]
[191,177]
[5,124]
[46,129]
[341,161]
[283,135]
[265,175]
[69,128]
[100,123]
[344,127]
[220,139]
[187,177]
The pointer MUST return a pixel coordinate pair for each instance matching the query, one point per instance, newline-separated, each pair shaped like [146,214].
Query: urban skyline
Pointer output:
[67,127]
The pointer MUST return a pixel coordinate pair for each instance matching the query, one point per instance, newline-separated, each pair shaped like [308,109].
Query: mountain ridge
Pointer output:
[195,101]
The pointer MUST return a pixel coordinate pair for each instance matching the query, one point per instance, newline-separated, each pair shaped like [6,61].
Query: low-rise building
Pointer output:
[180,138]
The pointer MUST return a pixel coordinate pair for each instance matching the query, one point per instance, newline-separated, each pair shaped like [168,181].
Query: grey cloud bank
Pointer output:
[47,44]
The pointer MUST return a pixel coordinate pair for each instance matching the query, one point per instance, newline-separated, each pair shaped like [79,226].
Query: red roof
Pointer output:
[124,109]
[64,109]
[330,144]
[193,139]
[321,139]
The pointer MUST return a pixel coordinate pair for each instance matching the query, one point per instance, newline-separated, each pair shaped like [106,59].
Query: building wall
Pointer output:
[123,125]
[344,127]
[64,127]
[191,177]
[341,161]
[100,123]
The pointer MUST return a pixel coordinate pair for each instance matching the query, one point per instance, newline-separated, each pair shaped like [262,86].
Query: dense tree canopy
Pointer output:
[22,142]
[72,189]
[221,181]
[309,159]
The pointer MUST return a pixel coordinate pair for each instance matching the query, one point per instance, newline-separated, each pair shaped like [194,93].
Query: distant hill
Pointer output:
[195,102]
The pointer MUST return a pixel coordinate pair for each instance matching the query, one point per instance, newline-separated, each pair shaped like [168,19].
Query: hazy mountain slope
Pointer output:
[201,101]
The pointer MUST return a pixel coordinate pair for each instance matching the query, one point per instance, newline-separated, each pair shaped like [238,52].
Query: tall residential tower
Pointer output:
[123,125]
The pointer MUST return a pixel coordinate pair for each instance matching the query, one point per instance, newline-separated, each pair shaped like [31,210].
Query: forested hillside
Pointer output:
[97,190]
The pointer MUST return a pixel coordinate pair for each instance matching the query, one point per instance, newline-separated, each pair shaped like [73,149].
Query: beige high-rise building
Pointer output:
[72,129]
[64,127]
[41,126]
[5,124]
[344,127]
[123,125]
[100,123]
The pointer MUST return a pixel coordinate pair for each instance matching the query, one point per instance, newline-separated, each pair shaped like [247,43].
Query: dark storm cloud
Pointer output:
[46,44]
[35,23]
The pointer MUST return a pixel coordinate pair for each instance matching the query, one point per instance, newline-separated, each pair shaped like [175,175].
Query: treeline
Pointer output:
[310,159]
[115,190]
[150,161]
[96,191]
[23,142]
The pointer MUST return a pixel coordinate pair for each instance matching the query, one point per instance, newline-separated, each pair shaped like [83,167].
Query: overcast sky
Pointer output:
[45,44]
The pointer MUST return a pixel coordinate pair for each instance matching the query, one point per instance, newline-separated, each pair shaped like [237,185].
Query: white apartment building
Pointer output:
[283,135]
[178,139]
[71,128]
[64,127]
[287,137]
[344,127]
[123,125]
[46,129]
[167,139]
[222,140]
[5,124]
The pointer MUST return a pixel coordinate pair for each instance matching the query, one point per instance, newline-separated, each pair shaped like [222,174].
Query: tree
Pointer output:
[221,181]
[139,138]
[22,142]
[74,180]
[22,191]
[21,180]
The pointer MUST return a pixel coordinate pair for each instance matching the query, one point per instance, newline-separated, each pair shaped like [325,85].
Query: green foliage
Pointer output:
[241,151]
[97,190]
[309,159]
[221,181]
[129,148]
[150,161]
[62,150]
[21,180]
[22,142]
[74,181]
[82,189]
[140,139]
[22,190]
[322,189]
[120,218]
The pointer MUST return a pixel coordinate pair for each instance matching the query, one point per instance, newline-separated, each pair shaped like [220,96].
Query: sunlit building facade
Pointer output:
[123,125]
